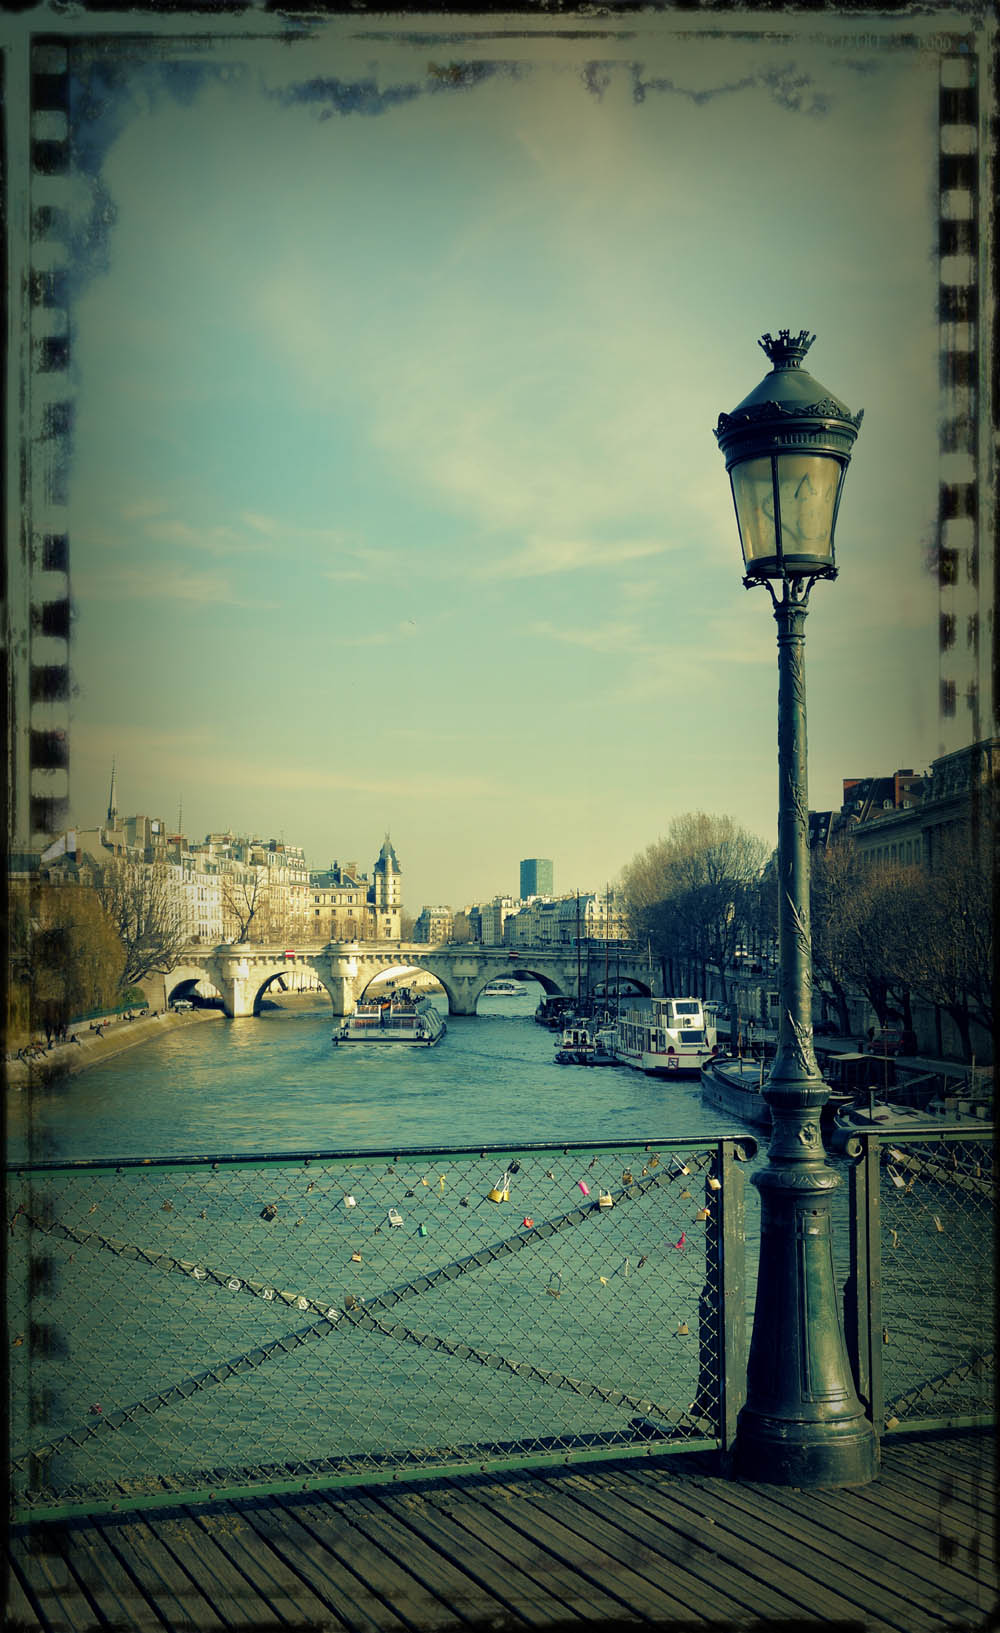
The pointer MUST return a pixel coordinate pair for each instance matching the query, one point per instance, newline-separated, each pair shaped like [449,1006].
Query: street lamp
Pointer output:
[787,446]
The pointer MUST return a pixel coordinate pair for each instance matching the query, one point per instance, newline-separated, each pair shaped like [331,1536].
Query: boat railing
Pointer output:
[196,1325]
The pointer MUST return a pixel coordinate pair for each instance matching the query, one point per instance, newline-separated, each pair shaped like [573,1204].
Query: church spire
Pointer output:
[112,800]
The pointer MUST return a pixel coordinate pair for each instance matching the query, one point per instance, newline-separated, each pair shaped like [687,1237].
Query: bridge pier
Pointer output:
[342,993]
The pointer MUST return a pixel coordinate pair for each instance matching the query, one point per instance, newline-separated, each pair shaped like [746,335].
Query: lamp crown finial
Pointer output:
[786,353]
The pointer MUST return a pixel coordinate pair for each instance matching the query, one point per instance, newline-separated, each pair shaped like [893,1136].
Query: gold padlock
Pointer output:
[605,1200]
[702,1213]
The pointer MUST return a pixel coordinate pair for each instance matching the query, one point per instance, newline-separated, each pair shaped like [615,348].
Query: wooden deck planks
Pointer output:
[589,1577]
[691,1581]
[269,1581]
[929,1512]
[898,1526]
[835,1567]
[969,1475]
[169,1588]
[330,1522]
[54,1586]
[661,1541]
[439,1577]
[749,1559]
[579,1594]
[116,1597]
[320,1572]
[503,1584]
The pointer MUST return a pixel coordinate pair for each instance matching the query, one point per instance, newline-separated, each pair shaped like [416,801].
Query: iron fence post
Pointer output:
[732,1283]
[863,1292]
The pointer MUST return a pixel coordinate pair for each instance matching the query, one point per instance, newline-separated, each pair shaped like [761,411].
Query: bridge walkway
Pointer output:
[662,1541]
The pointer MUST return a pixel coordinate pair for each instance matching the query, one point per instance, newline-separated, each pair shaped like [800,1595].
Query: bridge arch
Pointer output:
[276,975]
[183,981]
[262,976]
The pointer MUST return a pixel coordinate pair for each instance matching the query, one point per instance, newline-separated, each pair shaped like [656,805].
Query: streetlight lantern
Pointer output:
[787,447]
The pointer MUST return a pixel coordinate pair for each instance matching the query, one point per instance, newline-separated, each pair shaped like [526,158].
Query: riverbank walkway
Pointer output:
[661,1541]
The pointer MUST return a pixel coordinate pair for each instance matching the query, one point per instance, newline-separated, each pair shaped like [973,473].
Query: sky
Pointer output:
[395,503]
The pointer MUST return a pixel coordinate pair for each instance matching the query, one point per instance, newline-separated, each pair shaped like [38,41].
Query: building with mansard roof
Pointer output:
[903,819]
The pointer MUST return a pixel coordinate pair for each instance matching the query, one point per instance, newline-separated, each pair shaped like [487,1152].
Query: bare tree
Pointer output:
[244,895]
[461,930]
[150,925]
[693,893]
[941,938]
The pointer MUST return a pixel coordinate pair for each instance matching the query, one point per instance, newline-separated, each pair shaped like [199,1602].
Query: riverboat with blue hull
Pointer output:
[665,1037]
[402,1018]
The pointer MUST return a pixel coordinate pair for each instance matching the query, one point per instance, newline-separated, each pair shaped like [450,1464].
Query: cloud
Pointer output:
[160,582]
[142,509]
[540,556]
[609,638]
[216,540]
[281,530]
[191,758]
[405,629]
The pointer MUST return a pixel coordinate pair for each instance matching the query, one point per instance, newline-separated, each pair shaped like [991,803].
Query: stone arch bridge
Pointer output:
[241,974]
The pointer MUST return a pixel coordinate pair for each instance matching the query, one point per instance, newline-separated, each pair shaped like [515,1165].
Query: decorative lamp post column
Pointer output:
[787,446]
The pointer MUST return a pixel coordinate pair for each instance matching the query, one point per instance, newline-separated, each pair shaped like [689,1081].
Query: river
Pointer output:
[274,1083]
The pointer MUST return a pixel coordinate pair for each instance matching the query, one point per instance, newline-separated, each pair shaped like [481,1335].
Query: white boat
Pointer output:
[664,1036]
[503,989]
[399,1018]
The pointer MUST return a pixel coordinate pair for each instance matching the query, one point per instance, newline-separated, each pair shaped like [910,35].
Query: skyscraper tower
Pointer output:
[536,877]
[112,800]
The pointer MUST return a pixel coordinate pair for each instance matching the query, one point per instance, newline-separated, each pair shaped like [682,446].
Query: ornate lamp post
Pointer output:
[787,447]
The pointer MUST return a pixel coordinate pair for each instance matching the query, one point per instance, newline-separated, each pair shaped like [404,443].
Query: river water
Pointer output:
[275,1083]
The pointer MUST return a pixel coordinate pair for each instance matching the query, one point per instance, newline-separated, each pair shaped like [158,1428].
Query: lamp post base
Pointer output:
[803,1423]
[785,1453]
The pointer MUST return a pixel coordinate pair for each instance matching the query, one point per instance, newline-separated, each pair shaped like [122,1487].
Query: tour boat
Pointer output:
[401,1018]
[503,989]
[664,1036]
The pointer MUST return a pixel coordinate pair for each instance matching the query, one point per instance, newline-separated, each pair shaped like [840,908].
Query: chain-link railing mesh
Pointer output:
[221,1323]
[937,1277]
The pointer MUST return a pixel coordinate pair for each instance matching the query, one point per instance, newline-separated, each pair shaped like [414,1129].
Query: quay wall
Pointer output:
[119,1035]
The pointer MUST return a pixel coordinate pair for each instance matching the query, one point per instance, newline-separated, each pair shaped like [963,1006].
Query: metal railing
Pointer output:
[198,1325]
[920,1297]
[195,1326]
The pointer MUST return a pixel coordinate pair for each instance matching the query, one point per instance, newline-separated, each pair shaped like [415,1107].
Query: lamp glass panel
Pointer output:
[808,485]
[753,495]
